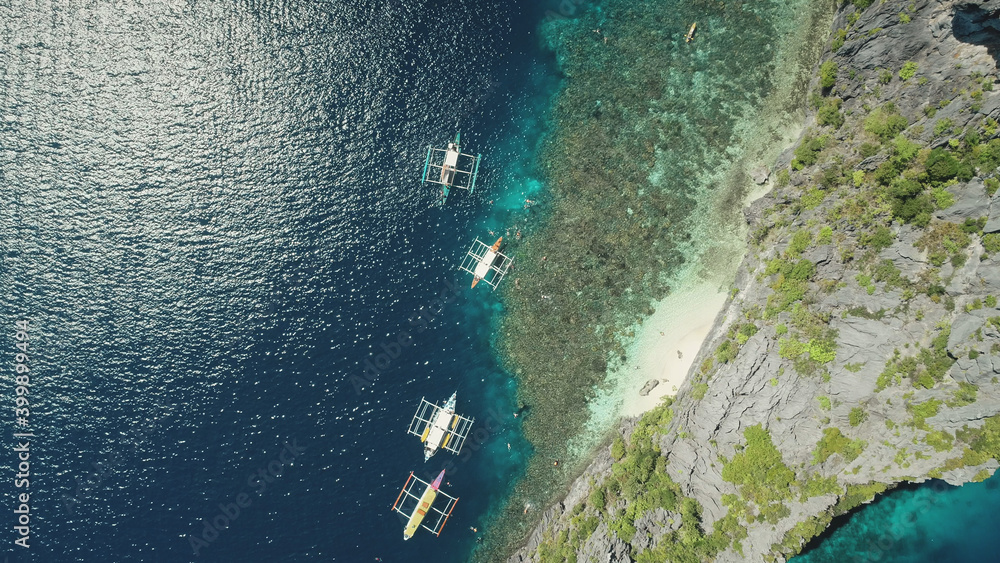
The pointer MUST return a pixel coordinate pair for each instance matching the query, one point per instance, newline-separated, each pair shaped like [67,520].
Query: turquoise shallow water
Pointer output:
[934,522]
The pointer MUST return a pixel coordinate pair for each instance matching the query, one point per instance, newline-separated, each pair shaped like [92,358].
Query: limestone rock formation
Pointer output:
[863,340]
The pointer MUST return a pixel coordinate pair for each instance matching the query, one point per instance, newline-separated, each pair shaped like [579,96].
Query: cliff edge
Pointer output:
[860,347]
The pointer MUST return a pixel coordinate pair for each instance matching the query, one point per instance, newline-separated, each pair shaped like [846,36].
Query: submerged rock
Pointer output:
[649,386]
[759,175]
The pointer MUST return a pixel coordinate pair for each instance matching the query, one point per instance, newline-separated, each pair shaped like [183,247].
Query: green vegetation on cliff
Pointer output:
[868,276]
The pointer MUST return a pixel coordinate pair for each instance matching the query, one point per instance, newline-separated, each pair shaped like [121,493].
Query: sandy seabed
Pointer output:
[668,343]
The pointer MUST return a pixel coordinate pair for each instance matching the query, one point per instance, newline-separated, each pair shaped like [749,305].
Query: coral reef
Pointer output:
[860,346]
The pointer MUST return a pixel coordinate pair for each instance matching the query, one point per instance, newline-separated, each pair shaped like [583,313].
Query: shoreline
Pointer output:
[717,410]
[668,344]
[686,310]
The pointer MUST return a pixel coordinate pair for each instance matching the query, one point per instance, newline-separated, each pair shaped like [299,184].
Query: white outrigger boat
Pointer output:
[424,504]
[439,427]
[448,172]
[486,263]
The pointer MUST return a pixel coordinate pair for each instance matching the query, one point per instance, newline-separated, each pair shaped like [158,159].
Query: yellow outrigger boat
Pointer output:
[424,505]
[690,35]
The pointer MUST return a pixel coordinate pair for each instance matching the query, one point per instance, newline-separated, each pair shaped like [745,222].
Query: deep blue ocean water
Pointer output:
[211,218]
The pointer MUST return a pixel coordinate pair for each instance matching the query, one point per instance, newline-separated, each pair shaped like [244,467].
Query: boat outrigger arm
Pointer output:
[451,168]
[439,427]
[416,503]
[486,263]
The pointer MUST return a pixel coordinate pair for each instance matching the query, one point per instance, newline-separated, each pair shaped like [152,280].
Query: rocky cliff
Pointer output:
[861,345]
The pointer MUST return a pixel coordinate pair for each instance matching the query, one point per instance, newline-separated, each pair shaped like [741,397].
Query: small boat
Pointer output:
[483,267]
[424,505]
[439,427]
[456,169]
[690,35]
[486,263]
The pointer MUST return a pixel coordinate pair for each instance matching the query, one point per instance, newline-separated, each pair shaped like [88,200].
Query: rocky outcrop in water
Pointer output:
[861,347]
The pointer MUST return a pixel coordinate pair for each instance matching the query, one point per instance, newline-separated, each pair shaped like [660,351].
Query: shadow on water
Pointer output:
[979,25]
[839,522]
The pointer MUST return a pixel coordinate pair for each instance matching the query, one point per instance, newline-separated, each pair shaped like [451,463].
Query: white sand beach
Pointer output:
[668,343]
[680,324]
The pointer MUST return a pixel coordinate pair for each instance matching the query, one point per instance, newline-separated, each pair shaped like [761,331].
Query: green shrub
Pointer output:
[862,4]
[857,416]
[973,226]
[617,453]
[832,176]
[887,272]
[944,238]
[987,155]
[838,40]
[909,202]
[923,411]
[812,198]
[799,243]
[867,149]
[726,352]
[857,495]
[825,235]
[822,350]
[904,150]
[885,122]
[991,185]
[904,18]
[816,485]
[878,241]
[824,403]
[790,348]
[908,71]
[597,500]
[789,285]
[830,114]
[942,126]
[807,153]
[943,199]
[991,243]
[758,470]
[990,126]
[744,332]
[828,74]
[833,442]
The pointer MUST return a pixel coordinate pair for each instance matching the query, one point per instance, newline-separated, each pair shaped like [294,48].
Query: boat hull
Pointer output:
[426,500]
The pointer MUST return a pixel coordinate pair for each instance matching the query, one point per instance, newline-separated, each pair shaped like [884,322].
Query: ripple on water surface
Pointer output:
[214,219]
